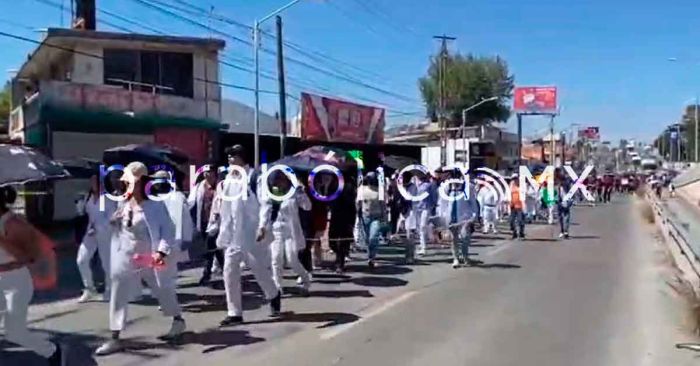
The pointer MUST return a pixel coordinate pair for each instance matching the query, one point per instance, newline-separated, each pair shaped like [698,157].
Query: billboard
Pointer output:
[535,99]
[589,133]
[326,119]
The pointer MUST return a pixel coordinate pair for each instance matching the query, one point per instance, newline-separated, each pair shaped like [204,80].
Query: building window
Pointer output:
[167,72]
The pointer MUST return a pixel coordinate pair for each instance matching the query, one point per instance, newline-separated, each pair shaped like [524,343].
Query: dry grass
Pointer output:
[647,212]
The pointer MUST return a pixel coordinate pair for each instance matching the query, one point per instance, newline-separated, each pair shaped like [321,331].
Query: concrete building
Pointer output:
[83,91]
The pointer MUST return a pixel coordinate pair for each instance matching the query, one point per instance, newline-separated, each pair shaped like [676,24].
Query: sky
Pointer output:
[609,59]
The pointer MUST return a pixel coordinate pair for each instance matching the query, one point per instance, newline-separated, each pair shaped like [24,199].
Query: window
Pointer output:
[170,70]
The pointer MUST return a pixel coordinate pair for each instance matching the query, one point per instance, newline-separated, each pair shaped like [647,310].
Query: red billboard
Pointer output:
[589,133]
[326,119]
[535,99]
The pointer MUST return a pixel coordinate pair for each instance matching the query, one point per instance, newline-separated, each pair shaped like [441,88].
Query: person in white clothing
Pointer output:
[288,236]
[456,210]
[97,239]
[142,243]
[489,204]
[239,219]
[18,249]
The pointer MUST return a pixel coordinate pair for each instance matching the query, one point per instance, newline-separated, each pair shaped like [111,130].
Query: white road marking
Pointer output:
[363,317]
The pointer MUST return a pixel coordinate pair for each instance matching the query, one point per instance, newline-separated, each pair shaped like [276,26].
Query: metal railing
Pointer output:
[678,231]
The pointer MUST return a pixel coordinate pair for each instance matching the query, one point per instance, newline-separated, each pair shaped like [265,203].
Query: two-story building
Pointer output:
[83,91]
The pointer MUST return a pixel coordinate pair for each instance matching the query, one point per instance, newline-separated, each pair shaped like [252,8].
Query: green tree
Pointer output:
[4,108]
[468,80]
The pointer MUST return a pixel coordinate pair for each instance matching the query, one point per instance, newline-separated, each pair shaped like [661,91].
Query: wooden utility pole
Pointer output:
[282,88]
[443,102]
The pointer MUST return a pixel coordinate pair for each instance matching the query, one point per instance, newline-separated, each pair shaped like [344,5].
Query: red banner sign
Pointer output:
[326,119]
[535,99]
[590,133]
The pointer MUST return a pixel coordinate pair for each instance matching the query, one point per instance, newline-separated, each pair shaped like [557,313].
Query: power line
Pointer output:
[63,10]
[292,60]
[129,21]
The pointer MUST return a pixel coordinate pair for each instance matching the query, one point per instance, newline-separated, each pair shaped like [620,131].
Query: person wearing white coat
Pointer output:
[489,204]
[239,219]
[287,233]
[97,239]
[457,213]
[142,228]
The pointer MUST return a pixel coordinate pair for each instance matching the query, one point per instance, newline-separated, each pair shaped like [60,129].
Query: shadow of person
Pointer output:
[497,266]
[327,320]
[390,270]
[371,281]
[340,294]
[198,303]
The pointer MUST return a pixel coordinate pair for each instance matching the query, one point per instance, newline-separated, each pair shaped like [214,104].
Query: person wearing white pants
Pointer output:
[287,233]
[239,218]
[97,239]
[488,202]
[16,287]
[142,230]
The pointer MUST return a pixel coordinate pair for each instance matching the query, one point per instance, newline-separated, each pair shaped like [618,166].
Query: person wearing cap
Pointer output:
[97,238]
[242,243]
[201,199]
[142,229]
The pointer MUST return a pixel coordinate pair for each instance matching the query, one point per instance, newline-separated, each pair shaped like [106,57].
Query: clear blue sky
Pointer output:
[608,58]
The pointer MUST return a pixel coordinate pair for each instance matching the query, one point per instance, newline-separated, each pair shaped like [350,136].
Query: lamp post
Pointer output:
[464,123]
[256,51]
[697,130]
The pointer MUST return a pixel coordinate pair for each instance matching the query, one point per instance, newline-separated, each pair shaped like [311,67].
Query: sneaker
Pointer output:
[370,264]
[566,235]
[421,252]
[109,347]
[56,358]
[455,263]
[561,235]
[204,281]
[472,262]
[303,290]
[88,296]
[276,305]
[231,321]
[176,329]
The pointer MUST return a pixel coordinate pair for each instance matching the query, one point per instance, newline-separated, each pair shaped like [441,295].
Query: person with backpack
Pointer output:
[237,235]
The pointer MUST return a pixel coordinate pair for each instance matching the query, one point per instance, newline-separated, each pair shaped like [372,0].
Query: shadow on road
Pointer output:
[379,281]
[328,319]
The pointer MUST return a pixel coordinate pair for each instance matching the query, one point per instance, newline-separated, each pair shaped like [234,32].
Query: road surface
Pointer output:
[600,298]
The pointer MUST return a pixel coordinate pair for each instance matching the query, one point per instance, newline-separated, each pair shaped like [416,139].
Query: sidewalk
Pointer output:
[335,300]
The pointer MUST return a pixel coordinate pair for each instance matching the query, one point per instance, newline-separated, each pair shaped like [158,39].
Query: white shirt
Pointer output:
[136,234]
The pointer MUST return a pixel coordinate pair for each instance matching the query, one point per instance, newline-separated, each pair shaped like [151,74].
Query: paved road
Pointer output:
[597,299]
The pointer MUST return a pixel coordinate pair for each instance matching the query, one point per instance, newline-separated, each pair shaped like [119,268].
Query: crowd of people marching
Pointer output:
[239,225]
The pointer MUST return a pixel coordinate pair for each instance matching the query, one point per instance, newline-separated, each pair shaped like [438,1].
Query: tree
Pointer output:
[468,80]
[4,108]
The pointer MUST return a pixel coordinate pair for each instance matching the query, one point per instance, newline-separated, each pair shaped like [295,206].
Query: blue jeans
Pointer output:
[373,229]
[517,221]
[564,218]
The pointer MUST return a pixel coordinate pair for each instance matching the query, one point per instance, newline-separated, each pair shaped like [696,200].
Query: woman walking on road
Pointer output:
[97,238]
[19,247]
[143,240]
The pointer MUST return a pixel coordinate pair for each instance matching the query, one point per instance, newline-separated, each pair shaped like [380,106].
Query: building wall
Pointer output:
[87,69]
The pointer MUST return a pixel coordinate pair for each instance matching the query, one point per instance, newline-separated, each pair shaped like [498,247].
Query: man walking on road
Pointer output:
[238,218]
[563,207]
[517,209]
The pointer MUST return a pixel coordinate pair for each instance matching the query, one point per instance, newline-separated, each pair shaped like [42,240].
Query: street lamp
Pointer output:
[695,135]
[464,122]
[256,51]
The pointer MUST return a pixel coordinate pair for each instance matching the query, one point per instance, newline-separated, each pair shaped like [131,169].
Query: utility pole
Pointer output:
[282,88]
[695,135]
[520,141]
[553,142]
[443,103]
